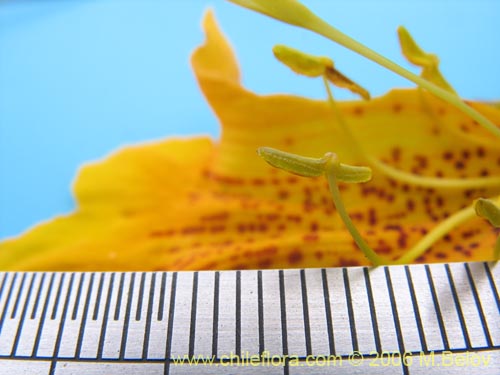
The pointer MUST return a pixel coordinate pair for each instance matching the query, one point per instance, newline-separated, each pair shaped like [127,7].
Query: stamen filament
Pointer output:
[321,27]
[428,182]
[295,13]
[439,231]
[337,200]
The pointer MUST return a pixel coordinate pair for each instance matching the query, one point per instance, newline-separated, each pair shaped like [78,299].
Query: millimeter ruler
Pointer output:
[416,319]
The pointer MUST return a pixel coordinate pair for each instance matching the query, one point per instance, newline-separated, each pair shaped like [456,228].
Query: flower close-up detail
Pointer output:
[197,203]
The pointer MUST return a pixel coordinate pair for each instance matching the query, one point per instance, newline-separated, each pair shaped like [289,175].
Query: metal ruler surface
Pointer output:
[417,319]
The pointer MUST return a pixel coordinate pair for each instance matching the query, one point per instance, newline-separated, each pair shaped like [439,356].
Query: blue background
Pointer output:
[80,79]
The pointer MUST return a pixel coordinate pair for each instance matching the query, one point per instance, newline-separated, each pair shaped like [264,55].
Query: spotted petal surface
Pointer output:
[198,203]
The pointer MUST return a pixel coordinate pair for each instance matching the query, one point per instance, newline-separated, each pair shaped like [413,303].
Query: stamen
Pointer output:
[316,66]
[441,230]
[335,172]
[487,209]
[428,182]
[295,13]
[429,62]
[331,175]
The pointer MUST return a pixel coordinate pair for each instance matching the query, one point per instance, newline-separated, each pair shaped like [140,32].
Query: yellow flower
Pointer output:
[196,203]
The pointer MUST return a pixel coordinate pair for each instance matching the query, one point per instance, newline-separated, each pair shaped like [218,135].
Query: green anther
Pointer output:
[353,174]
[296,164]
[313,167]
[488,210]
[334,172]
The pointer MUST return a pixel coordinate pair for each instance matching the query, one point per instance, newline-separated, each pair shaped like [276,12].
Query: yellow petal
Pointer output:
[199,204]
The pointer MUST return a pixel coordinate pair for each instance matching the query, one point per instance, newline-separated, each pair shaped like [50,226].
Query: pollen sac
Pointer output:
[429,62]
[314,167]
[296,164]
[302,63]
[487,209]
[316,66]
[353,174]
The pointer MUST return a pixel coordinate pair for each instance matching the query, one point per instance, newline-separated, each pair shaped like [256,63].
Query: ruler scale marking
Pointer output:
[492,284]
[215,314]
[55,307]
[147,330]
[138,310]
[192,323]
[61,324]
[318,327]
[43,316]
[23,315]
[458,307]
[280,313]
[2,284]
[98,298]
[104,324]
[395,316]
[260,306]
[77,299]
[119,297]
[479,306]
[305,312]
[373,314]
[237,337]
[37,298]
[18,296]
[161,303]
[437,308]
[350,310]
[328,311]
[84,316]
[127,316]
[7,302]
[416,310]
[168,346]
[284,335]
